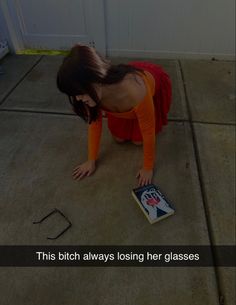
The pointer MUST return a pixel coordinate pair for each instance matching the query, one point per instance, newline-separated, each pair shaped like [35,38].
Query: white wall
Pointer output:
[170,28]
[164,28]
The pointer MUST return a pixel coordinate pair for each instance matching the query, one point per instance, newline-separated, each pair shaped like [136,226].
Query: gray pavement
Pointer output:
[41,142]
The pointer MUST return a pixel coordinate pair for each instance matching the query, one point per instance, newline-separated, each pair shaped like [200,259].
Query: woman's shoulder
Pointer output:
[143,83]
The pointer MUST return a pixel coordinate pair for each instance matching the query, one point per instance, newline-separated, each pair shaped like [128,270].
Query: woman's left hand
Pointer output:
[144,177]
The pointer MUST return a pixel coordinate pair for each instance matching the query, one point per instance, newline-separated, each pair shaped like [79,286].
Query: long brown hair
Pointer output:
[80,70]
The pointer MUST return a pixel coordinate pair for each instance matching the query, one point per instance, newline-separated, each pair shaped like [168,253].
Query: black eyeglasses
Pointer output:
[51,213]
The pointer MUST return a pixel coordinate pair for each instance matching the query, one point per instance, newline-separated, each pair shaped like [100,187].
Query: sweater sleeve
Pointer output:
[146,118]
[94,137]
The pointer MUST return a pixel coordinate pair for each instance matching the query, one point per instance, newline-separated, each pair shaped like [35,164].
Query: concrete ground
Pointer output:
[41,141]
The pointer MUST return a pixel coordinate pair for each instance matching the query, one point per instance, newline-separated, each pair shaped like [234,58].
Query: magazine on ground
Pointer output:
[153,203]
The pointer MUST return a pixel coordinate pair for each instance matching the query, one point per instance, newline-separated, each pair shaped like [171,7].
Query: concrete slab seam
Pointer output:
[74,115]
[21,79]
[180,85]
[37,112]
[202,188]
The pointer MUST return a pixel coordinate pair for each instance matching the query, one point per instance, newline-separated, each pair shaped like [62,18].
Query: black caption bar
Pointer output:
[117,256]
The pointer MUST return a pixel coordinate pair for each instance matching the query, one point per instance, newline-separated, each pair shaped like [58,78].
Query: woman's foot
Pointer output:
[119,140]
[137,143]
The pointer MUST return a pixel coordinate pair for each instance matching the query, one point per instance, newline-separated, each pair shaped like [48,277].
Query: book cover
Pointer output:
[153,203]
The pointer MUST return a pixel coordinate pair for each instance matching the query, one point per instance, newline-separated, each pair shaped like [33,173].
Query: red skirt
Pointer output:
[128,129]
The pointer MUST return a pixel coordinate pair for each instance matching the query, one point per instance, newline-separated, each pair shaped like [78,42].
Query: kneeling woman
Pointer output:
[135,97]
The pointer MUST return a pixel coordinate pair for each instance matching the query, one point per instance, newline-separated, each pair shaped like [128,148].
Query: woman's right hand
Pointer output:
[84,169]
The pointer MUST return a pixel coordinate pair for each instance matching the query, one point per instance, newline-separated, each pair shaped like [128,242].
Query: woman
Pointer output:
[135,98]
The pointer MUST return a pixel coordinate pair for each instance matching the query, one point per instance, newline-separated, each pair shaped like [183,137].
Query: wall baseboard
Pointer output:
[167,55]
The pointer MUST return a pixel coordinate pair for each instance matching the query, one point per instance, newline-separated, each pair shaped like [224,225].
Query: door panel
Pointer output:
[53,24]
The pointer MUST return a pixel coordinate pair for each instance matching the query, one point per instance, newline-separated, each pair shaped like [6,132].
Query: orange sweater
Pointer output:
[144,112]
